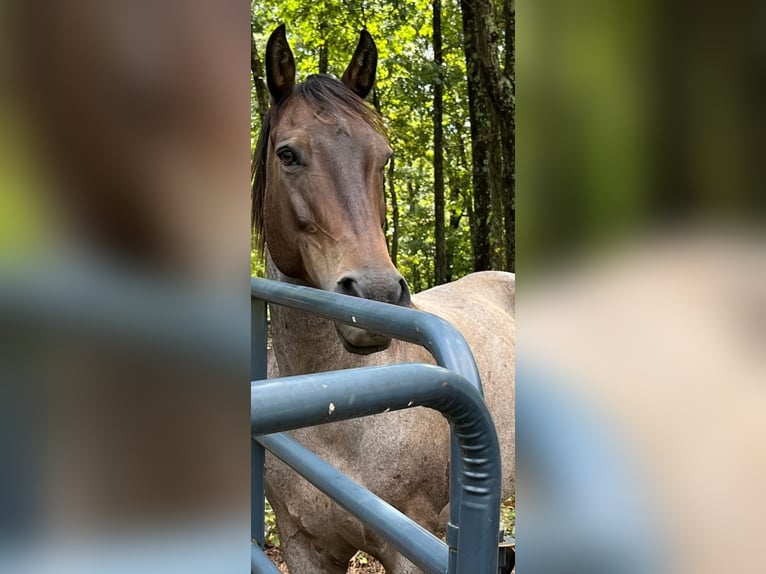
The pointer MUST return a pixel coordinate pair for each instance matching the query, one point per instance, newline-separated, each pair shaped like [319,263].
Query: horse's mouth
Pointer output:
[361,342]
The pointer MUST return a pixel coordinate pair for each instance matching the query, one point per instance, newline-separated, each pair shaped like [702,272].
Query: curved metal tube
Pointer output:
[259,562]
[409,538]
[442,340]
[293,402]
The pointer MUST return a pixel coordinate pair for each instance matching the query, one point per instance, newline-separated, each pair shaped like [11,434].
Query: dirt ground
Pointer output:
[360,564]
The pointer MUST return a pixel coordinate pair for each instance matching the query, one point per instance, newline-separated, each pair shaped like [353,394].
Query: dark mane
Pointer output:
[326,95]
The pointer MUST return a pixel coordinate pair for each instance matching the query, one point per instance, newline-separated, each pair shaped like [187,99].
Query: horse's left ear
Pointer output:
[360,74]
[280,66]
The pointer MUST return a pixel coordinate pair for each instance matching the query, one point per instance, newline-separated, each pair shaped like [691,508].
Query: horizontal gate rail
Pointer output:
[443,341]
[289,403]
[409,538]
[306,400]
[450,350]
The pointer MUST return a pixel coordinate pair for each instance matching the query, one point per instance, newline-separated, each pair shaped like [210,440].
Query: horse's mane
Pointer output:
[323,93]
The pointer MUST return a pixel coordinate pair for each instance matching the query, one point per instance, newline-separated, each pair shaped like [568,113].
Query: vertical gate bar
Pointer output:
[257,493]
[260,563]
[455,489]
[258,336]
[258,371]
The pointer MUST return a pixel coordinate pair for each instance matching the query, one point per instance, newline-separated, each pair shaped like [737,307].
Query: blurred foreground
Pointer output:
[124,294]
[661,346]
[641,262]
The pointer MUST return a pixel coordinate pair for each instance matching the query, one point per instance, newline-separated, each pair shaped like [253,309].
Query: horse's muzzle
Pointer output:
[387,287]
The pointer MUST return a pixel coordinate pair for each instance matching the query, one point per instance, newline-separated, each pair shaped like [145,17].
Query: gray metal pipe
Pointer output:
[439,337]
[260,563]
[293,402]
[420,546]
[258,370]
[443,341]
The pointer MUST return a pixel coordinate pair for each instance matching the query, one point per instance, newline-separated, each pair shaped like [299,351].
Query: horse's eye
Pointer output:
[287,157]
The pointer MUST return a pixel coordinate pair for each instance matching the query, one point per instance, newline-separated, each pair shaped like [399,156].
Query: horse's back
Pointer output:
[493,290]
[482,307]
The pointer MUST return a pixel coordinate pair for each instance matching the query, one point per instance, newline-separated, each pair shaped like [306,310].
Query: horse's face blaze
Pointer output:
[323,204]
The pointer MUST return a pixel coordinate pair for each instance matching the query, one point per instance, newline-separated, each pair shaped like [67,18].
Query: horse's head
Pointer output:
[318,198]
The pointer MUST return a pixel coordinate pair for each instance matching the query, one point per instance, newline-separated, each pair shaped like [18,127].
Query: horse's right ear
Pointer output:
[280,66]
[360,74]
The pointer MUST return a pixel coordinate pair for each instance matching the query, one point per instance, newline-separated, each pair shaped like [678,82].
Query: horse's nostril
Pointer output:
[348,285]
[386,287]
[404,293]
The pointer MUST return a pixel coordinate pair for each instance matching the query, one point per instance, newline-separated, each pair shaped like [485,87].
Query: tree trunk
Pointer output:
[486,45]
[509,144]
[454,224]
[497,191]
[440,266]
[491,91]
[500,86]
[467,197]
[394,213]
[256,67]
[481,126]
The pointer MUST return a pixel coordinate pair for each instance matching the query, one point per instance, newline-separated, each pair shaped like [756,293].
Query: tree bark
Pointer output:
[509,140]
[440,266]
[500,83]
[491,90]
[487,37]
[481,126]
[256,67]
[497,243]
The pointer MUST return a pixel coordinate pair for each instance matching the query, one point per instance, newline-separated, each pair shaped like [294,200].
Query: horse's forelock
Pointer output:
[325,92]
[321,92]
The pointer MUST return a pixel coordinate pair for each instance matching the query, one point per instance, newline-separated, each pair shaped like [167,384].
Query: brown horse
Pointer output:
[318,207]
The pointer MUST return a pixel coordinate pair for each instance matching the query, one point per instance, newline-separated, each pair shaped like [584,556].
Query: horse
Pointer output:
[318,216]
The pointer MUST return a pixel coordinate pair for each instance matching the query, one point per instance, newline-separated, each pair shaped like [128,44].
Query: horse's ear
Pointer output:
[280,66]
[360,74]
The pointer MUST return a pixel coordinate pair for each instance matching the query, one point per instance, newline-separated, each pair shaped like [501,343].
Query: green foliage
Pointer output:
[404,92]
[508,516]
[272,536]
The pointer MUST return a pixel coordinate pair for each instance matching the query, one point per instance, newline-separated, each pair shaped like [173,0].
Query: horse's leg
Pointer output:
[304,555]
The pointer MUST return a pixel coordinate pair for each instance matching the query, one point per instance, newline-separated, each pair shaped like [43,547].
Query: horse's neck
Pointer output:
[304,343]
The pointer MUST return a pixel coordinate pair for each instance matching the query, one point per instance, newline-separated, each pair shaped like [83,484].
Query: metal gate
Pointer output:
[453,388]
